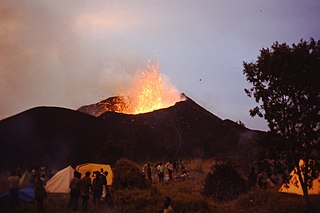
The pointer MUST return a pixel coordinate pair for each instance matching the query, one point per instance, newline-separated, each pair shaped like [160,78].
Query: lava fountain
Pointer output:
[151,91]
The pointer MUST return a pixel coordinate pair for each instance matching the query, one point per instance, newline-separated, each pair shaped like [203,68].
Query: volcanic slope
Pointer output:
[112,104]
[185,130]
[51,136]
[57,136]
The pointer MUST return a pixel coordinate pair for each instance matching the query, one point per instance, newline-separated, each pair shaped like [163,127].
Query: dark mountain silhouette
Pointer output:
[185,130]
[49,135]
[57,136]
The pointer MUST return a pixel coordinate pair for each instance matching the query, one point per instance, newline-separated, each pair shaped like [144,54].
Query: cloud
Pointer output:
[52,54]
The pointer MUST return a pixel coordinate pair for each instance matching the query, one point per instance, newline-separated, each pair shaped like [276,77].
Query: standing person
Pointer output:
[13,182]
[149,173]
[183,167]
[144,169]
[43,171]
[96,188]
[34,174]
[175,166]
[104,183]
[75,185]
[167,205]
[169,167]
[160,171]
[85,190]
[39,192]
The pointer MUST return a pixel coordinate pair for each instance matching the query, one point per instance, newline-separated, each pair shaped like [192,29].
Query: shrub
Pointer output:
[224,182]
[127,174]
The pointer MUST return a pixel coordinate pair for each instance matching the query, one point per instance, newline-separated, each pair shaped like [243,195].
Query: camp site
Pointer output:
[187,193]
[160,106]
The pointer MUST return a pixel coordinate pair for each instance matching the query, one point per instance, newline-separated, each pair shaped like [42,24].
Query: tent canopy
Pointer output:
[294,186]
[59,183]
[92,167]
[26,195]
[25,179]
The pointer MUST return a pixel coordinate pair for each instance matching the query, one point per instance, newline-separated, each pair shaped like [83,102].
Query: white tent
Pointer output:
[294,186]
[25,179]
[59,183]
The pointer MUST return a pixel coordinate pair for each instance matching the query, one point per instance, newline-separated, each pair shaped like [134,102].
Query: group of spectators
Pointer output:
[79,187]
[85,187]
[97,188]
[37,181]
[166,171]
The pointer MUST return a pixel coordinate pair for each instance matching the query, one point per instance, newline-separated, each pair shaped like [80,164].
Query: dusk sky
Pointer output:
[74,53]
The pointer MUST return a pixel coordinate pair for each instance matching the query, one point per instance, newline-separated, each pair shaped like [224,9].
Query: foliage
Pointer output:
[128,174]
[286,85]
[271,158]
[224,182]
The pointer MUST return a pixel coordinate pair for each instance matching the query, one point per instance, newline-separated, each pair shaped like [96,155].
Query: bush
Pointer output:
[127,174]
[224,182]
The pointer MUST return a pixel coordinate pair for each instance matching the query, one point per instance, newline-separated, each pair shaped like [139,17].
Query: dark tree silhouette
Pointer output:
[224,182]
[286,86]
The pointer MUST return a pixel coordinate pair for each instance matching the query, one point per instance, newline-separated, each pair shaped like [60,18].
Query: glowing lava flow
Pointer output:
[150,92]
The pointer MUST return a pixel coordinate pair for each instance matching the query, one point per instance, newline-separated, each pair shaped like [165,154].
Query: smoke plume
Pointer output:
[56,53]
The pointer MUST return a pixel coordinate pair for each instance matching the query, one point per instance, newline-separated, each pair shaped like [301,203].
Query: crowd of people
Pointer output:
[84,187]
[165,171]
[79,187]
[38,180]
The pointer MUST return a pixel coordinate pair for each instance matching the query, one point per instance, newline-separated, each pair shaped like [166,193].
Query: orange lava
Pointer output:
[150,92]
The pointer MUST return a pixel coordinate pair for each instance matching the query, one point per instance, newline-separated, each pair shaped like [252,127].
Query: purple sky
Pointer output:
[67,53]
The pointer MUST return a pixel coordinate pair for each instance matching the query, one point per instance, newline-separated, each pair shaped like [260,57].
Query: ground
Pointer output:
[186,196]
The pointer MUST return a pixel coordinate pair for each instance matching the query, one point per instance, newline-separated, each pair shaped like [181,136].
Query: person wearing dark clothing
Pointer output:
[75,185]
[96,188]
[167,205]
[149,172]
[85,190]
[183,167]
[160,170]
[175,166]
[13,181]
[34,174]
[103,177]
[39,192]
[169,167]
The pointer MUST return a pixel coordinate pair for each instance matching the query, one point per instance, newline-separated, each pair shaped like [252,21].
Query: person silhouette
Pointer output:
[167,205]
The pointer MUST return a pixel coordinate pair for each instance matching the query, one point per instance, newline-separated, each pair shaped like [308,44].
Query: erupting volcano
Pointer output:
[150,91]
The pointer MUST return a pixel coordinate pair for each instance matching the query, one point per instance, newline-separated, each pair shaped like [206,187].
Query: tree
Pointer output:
[127,174]
[224,182]
[286,86]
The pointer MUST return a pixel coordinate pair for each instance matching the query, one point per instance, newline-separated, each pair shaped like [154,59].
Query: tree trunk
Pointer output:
[303,179]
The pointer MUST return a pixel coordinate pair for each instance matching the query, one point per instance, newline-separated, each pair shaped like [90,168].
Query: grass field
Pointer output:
[186,196]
